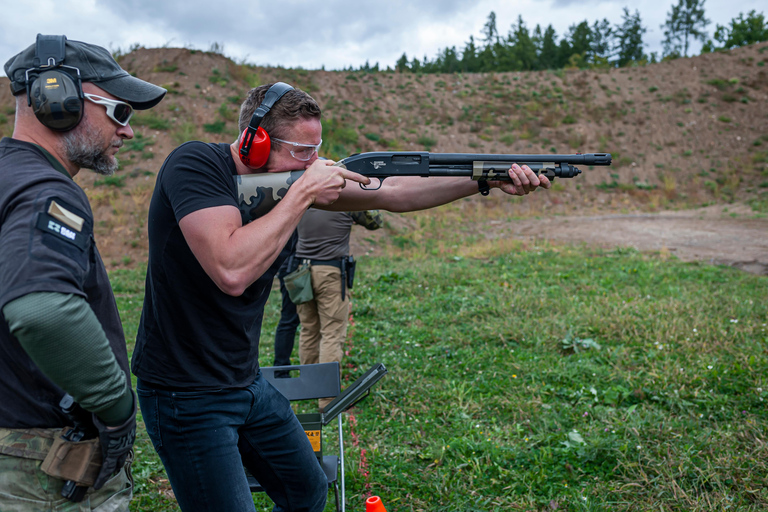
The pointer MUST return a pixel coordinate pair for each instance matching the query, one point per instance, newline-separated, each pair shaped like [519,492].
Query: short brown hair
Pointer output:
[294,105]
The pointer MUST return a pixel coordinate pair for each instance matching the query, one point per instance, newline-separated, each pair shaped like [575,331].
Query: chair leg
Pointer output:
[336,494]
[341,465]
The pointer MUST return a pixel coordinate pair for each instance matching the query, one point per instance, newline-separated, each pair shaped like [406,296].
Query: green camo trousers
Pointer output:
[25,488]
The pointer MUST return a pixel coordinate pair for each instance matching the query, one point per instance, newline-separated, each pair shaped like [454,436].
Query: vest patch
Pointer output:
[52,226]
[65,216]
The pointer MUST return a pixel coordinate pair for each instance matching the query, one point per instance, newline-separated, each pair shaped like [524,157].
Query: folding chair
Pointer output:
[313,381]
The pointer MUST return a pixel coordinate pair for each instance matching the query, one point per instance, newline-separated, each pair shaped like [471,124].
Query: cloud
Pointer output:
[310,34]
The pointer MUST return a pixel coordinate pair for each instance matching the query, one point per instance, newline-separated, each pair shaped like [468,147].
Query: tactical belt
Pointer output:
[76,461]
[330,263]
[341,264]
[27,443]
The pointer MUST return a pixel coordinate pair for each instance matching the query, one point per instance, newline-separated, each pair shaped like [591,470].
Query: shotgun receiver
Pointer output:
[259,193]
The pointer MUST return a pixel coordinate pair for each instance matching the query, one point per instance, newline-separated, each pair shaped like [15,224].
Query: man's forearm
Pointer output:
[406,194]
[63,337]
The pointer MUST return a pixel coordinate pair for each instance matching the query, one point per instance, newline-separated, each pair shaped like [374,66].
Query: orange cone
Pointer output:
[374,504]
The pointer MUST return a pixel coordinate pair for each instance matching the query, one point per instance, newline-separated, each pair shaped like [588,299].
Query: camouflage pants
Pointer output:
[25,488]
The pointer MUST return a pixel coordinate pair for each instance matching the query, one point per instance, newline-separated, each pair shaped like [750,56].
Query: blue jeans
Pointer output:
[205,437]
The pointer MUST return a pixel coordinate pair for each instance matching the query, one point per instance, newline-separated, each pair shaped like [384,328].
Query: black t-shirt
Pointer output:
[46,245]
[193,336]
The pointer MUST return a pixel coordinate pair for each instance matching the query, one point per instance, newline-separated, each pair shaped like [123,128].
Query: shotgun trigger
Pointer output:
[381,180]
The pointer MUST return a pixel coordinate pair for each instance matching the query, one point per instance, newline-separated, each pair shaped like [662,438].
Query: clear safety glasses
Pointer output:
[302,152]
[119,111]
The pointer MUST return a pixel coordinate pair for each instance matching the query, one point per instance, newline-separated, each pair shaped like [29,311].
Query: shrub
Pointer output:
[214,127]
[151,120]
[426,141]
[110,181]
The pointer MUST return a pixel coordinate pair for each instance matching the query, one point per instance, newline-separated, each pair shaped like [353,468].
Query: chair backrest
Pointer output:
[306,382]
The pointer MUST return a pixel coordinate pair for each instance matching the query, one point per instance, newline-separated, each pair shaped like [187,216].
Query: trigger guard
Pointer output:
[381,181]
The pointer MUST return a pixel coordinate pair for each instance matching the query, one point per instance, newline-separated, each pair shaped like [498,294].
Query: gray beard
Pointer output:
[84,148]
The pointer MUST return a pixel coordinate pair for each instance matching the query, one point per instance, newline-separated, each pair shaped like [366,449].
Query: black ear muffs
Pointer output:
[255,143]
[56,100]
[55,95]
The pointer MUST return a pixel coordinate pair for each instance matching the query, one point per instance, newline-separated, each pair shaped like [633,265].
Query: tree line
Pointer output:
[596,45]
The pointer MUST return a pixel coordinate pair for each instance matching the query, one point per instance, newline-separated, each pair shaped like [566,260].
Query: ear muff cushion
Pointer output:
[259,151]
[260,148]
[56,100]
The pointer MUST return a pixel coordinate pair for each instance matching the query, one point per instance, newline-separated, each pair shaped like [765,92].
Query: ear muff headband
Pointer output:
[255,143]
[55,95]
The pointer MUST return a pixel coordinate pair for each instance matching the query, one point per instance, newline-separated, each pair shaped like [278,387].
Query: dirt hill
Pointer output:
[684,134]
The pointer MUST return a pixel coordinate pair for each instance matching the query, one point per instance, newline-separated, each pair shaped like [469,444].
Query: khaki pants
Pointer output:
[323,319]
[25,488]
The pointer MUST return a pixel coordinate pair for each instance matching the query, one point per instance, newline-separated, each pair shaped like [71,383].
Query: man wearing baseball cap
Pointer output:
[63,358]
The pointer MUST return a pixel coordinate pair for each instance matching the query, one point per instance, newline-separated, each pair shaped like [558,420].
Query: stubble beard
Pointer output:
[84,147]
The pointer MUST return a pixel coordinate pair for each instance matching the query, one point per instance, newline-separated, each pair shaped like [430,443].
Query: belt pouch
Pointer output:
[78,461]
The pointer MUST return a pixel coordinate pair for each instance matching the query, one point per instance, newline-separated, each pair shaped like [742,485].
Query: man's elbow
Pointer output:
[231,282]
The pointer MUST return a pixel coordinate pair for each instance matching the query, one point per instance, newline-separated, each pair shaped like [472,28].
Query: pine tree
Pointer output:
[521,50]
[629,36]
[685,21]
[490,31]
[548,57]
[602,42]
[564,52]
[488,55]
[743,31]
[402,63]
[469,61]
[537,38]
[448,61]
[580,37]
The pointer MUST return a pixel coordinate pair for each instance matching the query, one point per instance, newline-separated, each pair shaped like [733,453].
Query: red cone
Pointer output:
[374,504]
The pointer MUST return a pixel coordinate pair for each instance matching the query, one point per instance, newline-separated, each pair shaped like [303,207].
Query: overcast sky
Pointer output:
[313,34]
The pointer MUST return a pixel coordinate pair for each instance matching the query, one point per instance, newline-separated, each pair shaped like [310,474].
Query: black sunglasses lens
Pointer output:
[123,112]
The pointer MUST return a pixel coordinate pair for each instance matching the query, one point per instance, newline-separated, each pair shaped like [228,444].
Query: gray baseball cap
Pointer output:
[97,66]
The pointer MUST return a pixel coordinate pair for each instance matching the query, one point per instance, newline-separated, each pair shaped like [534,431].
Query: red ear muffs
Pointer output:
[254,147]
[255,143]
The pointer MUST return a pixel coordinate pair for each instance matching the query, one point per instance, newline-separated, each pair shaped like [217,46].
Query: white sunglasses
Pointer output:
[119,111]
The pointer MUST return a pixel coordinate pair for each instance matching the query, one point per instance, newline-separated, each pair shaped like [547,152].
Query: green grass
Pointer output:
[214,127]
[138,142]
[150,119]
[114,180]
[542,378]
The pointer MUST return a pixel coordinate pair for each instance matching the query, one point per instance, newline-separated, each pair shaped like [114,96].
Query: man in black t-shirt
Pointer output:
[60,331]
[205,404]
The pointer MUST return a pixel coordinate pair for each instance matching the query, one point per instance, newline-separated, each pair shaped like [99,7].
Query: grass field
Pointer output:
[542,378]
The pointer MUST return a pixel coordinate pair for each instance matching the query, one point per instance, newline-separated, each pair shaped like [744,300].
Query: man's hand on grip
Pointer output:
[524,181]
[116,444]
[326,181]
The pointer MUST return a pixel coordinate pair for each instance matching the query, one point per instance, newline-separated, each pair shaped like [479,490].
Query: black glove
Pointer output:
[116,444]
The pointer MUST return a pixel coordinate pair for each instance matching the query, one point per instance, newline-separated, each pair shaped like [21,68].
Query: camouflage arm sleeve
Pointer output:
[63,337]
[369,219]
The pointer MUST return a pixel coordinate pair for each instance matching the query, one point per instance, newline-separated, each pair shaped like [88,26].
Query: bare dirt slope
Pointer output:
[689,140]
[692,235]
